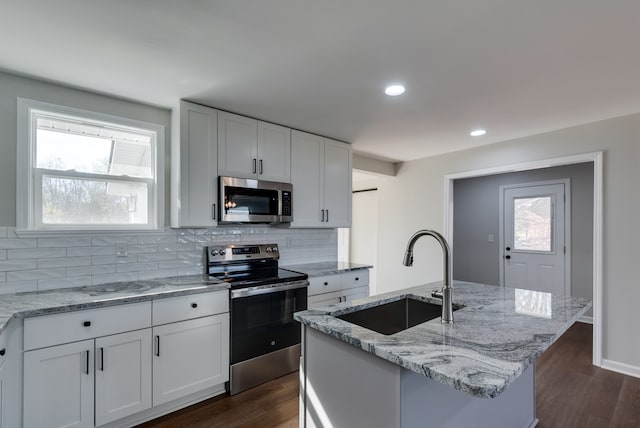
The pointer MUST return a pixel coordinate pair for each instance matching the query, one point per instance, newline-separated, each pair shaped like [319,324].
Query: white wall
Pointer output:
[414,200]
[364,233]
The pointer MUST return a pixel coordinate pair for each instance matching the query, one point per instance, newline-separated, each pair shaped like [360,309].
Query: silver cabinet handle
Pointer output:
[254,165]
[261,166]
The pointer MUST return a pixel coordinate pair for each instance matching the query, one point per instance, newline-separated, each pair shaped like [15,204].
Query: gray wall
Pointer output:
[476,215]
[13,87]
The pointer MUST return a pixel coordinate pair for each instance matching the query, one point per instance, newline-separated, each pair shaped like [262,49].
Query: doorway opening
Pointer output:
[595,226]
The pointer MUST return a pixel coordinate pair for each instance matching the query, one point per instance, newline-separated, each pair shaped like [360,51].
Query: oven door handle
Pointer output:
[266,289]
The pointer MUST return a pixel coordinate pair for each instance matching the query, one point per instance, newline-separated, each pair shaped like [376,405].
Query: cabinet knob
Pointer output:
[194,305]
[357,279]
[87,323]
[326,283]
[2,352]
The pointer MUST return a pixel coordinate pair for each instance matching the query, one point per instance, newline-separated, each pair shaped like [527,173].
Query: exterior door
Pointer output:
[534,252]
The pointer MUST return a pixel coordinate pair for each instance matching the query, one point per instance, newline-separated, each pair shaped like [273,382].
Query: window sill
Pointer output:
[29,233]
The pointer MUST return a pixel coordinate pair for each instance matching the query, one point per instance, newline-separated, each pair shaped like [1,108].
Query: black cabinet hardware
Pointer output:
[87,323]
[194,305]
[2,352]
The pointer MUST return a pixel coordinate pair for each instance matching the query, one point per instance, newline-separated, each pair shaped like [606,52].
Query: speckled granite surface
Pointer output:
[496,335]
[22,305]
[326,268]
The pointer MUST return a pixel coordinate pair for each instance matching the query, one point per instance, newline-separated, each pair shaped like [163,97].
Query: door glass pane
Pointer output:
[532,224]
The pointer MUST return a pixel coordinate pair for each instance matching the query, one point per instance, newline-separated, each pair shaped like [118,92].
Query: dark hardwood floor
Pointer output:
[570,392]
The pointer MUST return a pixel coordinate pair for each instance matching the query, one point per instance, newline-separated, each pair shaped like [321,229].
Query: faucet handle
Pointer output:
[437,294]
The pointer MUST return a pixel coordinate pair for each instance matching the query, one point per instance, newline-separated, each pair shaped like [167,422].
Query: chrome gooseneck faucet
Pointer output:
[446,294]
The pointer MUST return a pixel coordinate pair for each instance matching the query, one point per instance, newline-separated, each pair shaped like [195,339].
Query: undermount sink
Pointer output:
[393,317]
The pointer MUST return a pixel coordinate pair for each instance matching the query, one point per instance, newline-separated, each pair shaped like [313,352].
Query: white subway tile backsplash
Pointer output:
[11,265]
[71,261]
[64,242]
[18,243]
[28,275]
[156,257]
[91,251]
[18,287]
[135,267]
[36,253]
[91,270]
[64,262]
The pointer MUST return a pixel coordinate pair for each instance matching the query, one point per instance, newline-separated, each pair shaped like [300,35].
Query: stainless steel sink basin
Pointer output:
[393,317]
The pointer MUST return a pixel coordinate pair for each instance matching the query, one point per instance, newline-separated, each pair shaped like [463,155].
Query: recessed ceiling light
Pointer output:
[477,132]
[394,90]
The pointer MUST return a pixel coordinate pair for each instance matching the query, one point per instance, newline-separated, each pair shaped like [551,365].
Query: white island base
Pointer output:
[342,386]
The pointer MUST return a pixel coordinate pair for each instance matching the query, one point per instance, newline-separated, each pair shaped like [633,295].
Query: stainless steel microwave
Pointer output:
[244,200]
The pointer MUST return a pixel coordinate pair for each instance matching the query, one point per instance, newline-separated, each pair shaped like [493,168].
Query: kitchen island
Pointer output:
[480,371]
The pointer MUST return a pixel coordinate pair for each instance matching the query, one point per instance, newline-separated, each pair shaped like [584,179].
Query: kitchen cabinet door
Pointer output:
[58,386]
[237,146]
[337,184]
[194,166]
[190,356]
[123,375]
[307,177]
[274,152]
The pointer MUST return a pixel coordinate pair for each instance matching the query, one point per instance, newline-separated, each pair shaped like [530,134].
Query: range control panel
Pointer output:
[242,252]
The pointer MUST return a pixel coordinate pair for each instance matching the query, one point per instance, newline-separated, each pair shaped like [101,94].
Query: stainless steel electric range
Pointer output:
[265,339]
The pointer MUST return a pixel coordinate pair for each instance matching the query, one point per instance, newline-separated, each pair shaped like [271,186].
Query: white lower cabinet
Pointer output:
[123,375]
[190,356]
[337,288]
[10,378]
[58,386]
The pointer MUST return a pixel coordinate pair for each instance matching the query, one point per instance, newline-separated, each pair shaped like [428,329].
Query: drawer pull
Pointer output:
[357,279]
[87,323]
[326,283]
[194,305]
[2,352]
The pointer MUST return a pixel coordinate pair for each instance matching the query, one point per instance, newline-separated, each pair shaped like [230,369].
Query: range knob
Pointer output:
[221,251]
[268,249]
[275,249]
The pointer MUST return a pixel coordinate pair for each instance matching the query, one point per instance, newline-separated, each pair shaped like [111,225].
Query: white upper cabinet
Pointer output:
[194,166]
[248,148]
[321,178]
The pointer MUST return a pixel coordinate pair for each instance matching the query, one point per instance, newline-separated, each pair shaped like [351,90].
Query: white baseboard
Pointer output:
[585,319]
[626,369]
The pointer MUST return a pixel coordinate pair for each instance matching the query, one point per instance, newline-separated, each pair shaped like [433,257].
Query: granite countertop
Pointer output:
[496,335]
[326,268]
[29,304]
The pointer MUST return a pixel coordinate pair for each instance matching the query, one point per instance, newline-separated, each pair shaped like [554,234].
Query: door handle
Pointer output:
[508,257]
[157,346]
[327,216]
[254,165]
[87,361]
[213,211]
[322,219]
[101,359]
[260,166]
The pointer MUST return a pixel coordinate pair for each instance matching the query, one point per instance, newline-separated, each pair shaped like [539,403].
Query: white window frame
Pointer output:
[28,195]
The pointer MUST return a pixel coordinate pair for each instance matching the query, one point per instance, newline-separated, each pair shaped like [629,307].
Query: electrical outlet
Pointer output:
[490,238]
[121,249]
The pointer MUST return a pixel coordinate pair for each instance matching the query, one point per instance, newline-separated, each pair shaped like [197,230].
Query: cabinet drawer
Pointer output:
[49,330]
[314,302]
[356,278]
[323,284]
[191,306]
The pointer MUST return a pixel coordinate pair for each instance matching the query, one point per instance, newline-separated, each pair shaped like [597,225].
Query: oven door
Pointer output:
[262,321]
[249,201]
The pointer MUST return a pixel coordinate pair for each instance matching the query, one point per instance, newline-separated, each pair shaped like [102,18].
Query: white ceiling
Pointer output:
[516,67]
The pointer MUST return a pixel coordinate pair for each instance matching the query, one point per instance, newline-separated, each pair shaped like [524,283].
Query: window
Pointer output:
[532,224]
[79,170]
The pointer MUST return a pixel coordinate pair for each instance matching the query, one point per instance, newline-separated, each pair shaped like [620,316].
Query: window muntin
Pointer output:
[88,173]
